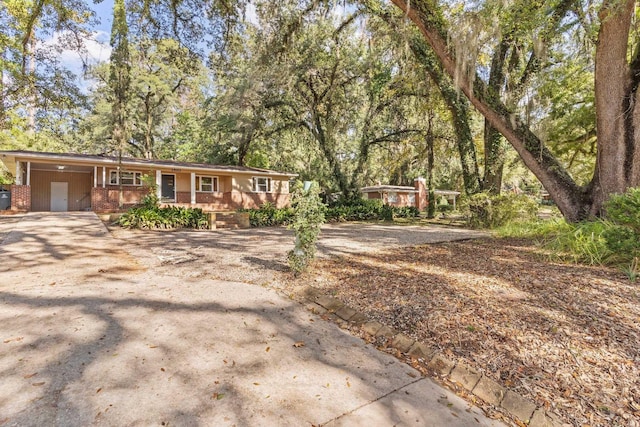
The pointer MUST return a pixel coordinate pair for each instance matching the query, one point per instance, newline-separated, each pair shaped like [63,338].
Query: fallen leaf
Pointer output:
[30,375]
[38,384]
[267,350]
[256,383]
[162,369]
[298,344]
[99,390]
[217,396]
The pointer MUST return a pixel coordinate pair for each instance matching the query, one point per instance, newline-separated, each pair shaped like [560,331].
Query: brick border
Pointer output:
[438,365]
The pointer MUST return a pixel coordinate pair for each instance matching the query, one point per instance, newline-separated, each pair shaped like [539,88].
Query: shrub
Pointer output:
[268,215]
[623,237]
[308,217]
[624,209]
[483,210]
[355,210]
[406,212]
[368,210]
[154,217]
[583,242]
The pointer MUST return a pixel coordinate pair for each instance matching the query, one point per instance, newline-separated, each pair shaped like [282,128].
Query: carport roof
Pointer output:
[9,158]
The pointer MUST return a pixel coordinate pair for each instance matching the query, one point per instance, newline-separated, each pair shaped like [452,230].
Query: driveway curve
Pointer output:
[94,332]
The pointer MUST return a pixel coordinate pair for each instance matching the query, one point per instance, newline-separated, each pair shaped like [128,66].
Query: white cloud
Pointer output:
[94,50]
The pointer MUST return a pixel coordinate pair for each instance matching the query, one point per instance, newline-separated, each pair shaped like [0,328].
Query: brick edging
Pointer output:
[434,362]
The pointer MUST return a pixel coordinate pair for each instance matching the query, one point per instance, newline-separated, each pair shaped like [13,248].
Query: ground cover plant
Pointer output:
[170,217]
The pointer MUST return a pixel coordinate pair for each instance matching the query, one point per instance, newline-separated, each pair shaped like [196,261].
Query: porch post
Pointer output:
[18,173]
[95,176]
[104,177]
[193,188]
[28,173]
[159,184]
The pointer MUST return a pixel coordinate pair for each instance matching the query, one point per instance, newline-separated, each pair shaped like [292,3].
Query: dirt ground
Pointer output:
[259,255]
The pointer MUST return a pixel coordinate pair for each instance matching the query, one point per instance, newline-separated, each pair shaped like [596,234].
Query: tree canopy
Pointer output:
[346,93]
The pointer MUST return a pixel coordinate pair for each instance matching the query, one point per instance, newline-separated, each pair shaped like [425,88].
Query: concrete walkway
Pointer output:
[89,336]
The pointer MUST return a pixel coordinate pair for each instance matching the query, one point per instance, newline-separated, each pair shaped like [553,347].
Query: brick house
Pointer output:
[398,195]
[76,182]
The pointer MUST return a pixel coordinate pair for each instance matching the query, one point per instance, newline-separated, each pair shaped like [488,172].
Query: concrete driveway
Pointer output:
[92,334]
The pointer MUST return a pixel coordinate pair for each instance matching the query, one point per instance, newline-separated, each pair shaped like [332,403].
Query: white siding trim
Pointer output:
[193,188]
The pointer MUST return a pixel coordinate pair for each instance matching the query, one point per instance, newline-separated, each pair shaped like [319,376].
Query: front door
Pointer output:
[59,193]
[168,188]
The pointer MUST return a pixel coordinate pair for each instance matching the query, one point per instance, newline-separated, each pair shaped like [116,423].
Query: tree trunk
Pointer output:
[3,112]
[459,109]
[617,105]
[574,202]
[493,151]
[493,159]
[431,200]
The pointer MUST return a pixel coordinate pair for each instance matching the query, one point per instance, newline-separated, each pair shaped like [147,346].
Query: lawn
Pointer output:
[565,336]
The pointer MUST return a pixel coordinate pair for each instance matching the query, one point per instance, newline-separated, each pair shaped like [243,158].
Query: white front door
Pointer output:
[59,191]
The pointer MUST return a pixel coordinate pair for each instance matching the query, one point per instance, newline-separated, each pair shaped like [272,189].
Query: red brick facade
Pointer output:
[231,201]
[108,199]
[21,197]
[422,195]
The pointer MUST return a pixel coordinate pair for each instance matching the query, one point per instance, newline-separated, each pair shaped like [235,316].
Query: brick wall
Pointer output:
[108,199]
[422,195]
[21,197]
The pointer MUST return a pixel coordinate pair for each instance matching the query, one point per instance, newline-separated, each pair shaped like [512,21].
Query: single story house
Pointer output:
[398,195]
[76,182]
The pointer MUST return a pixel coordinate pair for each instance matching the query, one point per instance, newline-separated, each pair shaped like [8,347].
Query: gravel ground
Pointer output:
[258,256]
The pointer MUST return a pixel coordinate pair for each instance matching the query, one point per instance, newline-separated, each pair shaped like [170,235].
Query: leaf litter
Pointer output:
[565,336]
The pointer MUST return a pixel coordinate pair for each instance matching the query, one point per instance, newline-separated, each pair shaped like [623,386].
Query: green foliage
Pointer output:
[406,212]
[308,217]
[268,215]
[484,210]
[537,229]
[151,199]
[154,217]
[581,243]
[355,210]
[359,209]
[624,209]
[623,236]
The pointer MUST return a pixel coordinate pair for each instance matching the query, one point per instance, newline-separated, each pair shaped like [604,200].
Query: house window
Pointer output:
[207,184]
[126,178]
[412,199]
[392,197]
[262,184]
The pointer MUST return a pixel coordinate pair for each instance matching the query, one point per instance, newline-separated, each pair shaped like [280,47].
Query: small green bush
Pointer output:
[268,215]
[308,217]
[624,209]
[483,210]
[583,242]
[350,210]
[368,210]
[355,210]
[623,237]
[406,212]
[154,217]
